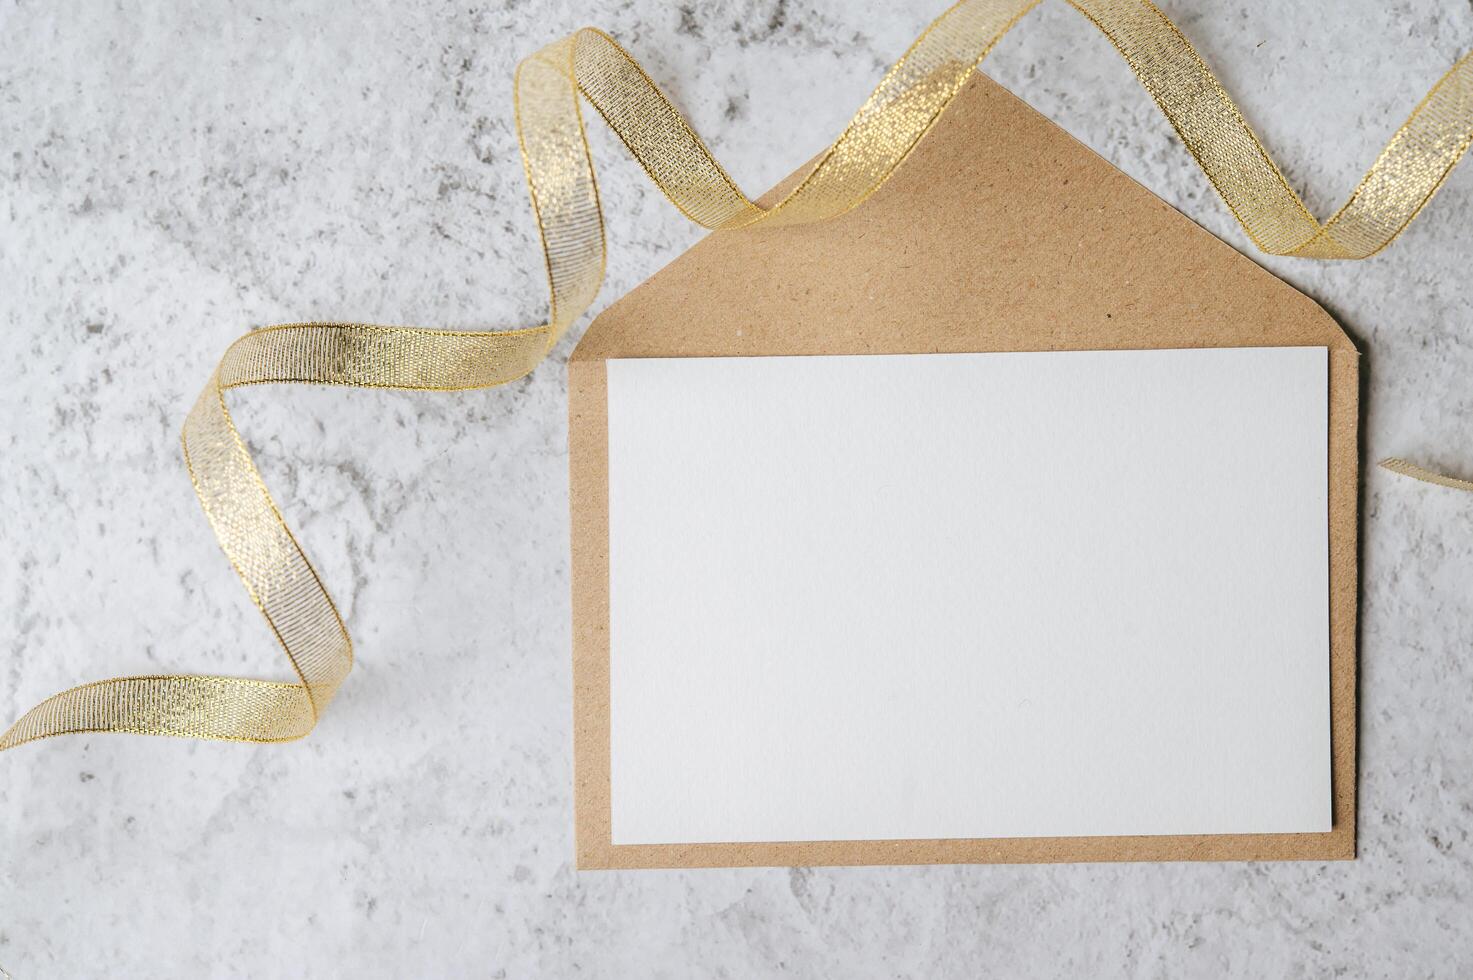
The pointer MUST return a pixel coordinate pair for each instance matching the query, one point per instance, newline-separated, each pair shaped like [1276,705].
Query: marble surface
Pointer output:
[173,174]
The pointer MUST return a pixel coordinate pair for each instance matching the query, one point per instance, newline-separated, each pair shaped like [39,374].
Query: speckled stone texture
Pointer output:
[174,174]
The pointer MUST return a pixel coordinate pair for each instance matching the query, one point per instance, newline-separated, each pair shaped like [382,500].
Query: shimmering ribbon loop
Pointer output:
[912,95]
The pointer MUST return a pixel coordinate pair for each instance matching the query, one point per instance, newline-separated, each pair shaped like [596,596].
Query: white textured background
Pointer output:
[174,174]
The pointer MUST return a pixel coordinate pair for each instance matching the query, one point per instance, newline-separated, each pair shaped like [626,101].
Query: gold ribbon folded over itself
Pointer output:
[271,564]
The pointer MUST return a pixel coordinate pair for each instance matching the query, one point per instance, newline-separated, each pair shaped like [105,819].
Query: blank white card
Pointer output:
[969,595]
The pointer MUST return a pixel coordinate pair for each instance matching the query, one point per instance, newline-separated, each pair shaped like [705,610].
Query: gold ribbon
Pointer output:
[1397,465]
[912,95]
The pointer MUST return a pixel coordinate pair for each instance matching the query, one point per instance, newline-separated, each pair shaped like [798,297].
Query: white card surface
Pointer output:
[969,595]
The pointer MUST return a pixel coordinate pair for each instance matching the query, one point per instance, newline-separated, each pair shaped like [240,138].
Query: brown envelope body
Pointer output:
[999,233]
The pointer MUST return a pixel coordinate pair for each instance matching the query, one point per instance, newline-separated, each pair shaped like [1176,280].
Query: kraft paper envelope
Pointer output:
[1000,233]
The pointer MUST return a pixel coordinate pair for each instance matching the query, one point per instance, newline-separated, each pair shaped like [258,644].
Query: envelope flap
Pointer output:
[1000,232]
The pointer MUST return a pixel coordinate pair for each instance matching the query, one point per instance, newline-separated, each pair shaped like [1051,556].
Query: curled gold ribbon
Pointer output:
[559,170]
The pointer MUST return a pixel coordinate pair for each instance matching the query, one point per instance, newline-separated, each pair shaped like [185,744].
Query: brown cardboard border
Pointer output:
[1000,233]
